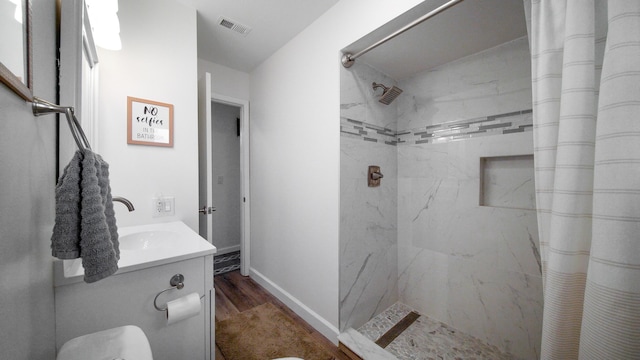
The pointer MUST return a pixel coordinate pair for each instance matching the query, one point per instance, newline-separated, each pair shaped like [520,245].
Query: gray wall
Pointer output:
[27,180]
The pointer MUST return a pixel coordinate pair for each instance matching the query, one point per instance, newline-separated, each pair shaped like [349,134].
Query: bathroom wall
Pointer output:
[27,181]
[295,160]
[368,215]
[224,80]
[226,177]
[473,267]
[158,61]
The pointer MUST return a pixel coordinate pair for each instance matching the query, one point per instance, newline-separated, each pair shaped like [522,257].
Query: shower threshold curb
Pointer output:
[359,347]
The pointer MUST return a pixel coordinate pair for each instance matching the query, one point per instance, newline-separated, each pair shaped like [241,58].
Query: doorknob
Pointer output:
[206,210]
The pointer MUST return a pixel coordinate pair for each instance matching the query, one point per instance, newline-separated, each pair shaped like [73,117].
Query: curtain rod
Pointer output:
[348,59]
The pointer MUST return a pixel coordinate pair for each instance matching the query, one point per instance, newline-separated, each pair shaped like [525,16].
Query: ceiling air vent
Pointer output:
[234,25]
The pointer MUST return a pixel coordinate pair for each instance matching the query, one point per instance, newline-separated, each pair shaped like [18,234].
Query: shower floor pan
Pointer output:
[400,333]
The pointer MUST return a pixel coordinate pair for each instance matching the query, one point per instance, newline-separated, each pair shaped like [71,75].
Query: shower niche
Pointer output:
[507,182]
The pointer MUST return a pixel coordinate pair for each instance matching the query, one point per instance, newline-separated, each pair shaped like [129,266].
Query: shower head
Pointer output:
[389,94]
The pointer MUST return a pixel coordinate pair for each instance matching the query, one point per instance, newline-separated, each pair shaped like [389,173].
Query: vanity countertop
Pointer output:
[143,246]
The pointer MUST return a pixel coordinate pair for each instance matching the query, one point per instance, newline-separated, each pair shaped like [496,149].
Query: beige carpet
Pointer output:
[265,332]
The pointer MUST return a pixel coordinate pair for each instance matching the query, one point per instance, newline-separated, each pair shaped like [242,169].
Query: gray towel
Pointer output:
[105,192]
[99,257]
[65,242]
[85,225]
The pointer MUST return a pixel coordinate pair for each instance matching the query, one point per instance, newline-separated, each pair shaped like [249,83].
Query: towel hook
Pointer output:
[43,107]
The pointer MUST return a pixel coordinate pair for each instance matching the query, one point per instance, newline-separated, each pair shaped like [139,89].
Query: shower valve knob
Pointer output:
[374,176]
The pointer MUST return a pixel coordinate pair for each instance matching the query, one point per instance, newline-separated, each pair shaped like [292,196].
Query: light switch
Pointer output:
[169,206]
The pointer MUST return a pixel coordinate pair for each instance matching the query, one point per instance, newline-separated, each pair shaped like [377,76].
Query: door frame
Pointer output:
[245,193]
[78,78]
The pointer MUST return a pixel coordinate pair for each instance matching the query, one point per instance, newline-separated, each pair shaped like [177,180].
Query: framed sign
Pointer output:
[149,122]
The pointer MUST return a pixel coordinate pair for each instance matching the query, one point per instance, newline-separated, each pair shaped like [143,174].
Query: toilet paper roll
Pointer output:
[183,308]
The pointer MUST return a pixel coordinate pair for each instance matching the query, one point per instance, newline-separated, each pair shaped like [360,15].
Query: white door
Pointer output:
[205,174]
[205,155]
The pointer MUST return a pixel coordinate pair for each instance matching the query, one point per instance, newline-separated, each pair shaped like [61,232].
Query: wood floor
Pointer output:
[236,293]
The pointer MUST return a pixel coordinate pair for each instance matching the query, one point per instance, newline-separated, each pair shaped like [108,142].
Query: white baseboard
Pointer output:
[228,249]
[318,322]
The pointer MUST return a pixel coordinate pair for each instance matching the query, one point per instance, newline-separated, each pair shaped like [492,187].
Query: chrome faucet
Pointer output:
[126,202]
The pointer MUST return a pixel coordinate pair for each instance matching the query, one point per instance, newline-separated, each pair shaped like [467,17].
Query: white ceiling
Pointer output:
[468,27]
[273,24]
[464,29]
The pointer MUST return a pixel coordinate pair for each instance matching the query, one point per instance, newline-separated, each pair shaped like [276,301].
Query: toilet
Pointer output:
[125,342]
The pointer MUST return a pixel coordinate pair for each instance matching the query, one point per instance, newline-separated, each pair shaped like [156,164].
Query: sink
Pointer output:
[143,246]
[144,240]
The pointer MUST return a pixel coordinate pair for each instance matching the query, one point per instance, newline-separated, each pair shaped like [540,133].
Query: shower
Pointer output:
[388,94]
[445,231]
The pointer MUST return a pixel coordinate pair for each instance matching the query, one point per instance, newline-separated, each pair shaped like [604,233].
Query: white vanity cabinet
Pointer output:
[126,298]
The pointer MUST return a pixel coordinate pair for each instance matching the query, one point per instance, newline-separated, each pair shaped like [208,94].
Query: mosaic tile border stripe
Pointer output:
[499,124]
[367,132]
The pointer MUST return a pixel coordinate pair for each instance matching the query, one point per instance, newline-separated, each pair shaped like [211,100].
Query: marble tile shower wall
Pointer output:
[368,216]
[472,267]
[475,268]
[491,82]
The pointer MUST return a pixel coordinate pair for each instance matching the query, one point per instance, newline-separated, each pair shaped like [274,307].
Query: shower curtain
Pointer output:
[586,107]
